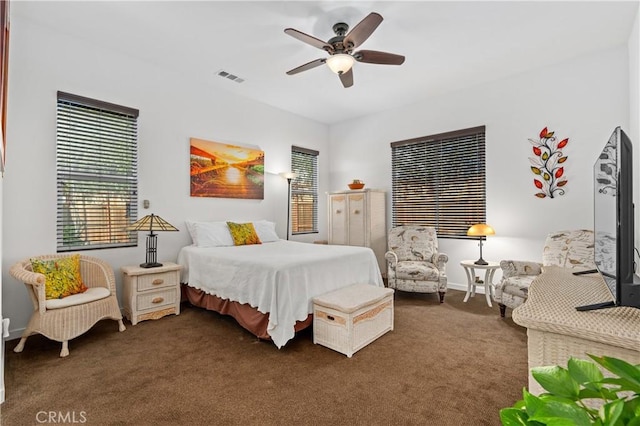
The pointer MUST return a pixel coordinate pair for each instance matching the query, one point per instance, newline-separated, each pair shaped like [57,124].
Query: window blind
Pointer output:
[97,184]
[439,181]
[304,191]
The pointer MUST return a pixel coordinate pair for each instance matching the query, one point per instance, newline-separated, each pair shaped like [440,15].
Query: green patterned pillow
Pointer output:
[62,276]
[243,233]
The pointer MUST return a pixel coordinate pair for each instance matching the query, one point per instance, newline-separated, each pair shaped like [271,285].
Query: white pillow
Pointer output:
[212,234]
[191,227]
[266,231]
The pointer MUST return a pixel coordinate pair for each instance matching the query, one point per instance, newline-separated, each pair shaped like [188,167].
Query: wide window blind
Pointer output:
[304,191]
[439,181]
[97,184]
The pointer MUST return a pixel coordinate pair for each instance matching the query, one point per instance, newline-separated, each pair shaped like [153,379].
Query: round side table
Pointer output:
[470,268]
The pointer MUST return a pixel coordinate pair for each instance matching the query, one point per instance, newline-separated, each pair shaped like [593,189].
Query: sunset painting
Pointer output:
[226,171]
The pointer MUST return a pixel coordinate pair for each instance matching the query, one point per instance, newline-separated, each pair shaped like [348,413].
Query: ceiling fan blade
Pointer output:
[307,66]
[306,38]
[375,57]
[347,78]
[362,30]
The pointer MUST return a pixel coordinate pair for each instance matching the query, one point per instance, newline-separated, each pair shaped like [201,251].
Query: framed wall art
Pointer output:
[226,171]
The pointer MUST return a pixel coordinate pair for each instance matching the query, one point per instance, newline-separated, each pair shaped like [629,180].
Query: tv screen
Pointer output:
[605,174]
[614,220]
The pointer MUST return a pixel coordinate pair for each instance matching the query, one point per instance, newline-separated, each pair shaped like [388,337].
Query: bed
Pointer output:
[268,288]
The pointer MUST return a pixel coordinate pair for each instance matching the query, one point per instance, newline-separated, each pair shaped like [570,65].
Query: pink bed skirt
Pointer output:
[250,318]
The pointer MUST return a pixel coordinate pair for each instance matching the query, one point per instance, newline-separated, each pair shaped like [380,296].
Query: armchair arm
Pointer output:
[512,268]
[440,260]
[391,257]
[19,272]
[34,282]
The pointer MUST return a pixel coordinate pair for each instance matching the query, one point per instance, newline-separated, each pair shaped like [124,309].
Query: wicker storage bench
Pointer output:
[556,331]
[348,319]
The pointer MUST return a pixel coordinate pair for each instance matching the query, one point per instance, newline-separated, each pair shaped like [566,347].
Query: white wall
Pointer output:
[582,99]
[172,109]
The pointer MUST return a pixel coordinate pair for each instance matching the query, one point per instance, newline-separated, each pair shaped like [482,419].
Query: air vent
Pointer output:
[229,76]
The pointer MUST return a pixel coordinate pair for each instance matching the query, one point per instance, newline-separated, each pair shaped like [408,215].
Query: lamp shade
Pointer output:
[340,63]
[480,230]
[289,175]
[151,223]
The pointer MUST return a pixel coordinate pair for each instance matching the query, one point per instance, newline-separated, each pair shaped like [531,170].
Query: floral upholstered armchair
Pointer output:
[568,249]
[413,261]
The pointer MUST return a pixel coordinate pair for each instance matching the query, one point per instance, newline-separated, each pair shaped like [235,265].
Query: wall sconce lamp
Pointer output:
[480,230]
[151,223]
[288,176]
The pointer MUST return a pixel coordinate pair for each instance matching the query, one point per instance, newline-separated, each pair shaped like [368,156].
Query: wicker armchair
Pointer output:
[64,319]
[414,263]
[568,249]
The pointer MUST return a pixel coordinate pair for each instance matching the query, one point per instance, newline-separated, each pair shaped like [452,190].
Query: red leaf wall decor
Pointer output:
[549,164]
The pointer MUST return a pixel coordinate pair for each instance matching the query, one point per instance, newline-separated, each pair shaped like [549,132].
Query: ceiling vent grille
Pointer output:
[229,76]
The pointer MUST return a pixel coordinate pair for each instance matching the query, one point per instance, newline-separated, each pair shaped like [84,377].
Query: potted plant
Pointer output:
[580,395]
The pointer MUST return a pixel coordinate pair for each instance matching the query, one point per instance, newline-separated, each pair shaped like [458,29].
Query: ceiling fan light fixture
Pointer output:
[340,63]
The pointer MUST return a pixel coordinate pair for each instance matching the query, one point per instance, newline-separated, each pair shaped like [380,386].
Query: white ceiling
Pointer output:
[449,45]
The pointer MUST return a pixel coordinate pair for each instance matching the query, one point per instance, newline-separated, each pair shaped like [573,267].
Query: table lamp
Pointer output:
[151,223]
[480,230]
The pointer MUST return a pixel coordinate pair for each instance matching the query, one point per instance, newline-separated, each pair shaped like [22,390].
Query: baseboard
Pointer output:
[15,334]
[463,287]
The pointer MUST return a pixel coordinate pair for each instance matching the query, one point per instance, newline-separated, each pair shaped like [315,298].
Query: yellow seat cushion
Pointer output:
[62,276]
[243,233]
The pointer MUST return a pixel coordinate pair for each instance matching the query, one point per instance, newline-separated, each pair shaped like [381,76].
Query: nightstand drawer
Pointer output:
[156,299]
[160,280]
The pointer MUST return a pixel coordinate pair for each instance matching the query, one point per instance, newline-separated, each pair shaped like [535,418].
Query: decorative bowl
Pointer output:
[355,185]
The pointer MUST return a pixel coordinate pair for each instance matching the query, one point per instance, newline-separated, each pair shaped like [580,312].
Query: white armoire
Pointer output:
[358,218]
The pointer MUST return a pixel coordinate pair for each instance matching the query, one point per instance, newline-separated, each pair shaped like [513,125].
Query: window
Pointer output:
[304,191]
[439,181]
[97,180]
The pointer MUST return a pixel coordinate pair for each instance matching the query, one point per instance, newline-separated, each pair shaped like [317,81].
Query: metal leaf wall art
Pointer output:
[547,165]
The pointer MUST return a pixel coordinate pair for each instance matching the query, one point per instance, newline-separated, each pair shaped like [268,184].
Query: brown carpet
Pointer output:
[451,364]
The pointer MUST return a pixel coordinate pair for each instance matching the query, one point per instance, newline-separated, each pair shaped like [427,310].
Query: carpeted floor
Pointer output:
[451,364]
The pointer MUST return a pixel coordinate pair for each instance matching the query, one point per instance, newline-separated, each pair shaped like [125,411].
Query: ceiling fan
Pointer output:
[340,49]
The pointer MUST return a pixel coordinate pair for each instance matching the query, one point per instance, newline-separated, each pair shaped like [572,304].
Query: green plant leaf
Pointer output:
[562,413]
[632,408]
[600,393]
[620,368]
[583,371]
[611,412]
[531,402]
[557,381]
[634,421]
[623,384]
[513,417]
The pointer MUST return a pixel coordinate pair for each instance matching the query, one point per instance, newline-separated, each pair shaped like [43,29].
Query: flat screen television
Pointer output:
[614,222]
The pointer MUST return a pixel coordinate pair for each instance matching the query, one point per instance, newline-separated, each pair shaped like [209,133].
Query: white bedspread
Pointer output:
[279,278]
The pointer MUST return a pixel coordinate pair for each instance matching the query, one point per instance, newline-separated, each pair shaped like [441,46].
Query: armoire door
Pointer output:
[338,219]
[357,220]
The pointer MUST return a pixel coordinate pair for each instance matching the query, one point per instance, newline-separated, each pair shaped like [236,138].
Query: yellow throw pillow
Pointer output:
[62,276]
[243,233]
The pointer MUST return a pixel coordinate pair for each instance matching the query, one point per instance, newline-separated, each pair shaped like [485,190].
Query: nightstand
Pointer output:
[151,293]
